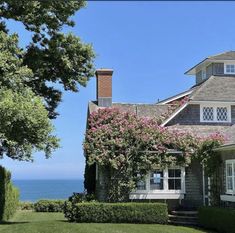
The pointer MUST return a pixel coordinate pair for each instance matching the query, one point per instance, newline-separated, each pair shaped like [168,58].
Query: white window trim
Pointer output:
[214,106]
[228,63]
[230,191]
[161,194]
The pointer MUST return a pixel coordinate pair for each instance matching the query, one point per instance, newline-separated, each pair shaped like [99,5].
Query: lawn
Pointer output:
[32,222]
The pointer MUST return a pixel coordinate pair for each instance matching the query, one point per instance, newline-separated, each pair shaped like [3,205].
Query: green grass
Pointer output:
[32,222]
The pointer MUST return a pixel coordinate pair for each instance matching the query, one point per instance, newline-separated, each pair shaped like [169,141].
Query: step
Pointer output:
[183,216]
[178,212]
[188,223]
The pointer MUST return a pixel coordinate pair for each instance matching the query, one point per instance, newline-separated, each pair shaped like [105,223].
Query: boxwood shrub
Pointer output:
[116,212]
[9,195]
[219,219]
[49,206]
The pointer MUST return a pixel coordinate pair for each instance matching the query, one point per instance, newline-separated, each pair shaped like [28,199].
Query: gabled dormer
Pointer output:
[218,65]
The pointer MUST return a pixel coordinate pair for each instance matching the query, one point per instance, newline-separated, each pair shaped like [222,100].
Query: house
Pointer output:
[210,108]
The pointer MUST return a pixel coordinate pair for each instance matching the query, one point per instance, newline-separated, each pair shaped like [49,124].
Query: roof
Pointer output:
[142,110]
[200,130]
[228,55]
[215,88]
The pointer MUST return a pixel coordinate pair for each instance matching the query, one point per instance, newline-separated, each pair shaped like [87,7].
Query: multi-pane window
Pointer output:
[230,176]
[203,74]
[174,179]
[156,180]
[230,69]
[222,113]
[141,184]
[163,180]
[208,114]
[215,114]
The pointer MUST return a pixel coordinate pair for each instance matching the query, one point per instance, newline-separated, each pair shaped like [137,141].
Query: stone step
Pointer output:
[184,213]
[183,217]
[183,223]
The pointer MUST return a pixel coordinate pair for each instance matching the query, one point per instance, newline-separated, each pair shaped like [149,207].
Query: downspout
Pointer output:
[203,185]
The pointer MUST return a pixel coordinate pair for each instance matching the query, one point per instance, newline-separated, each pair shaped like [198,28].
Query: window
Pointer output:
[156,180]
[203,74]
[230,176]
[215,113]
[169,180]
[141,184]
[229,69]
[174,179]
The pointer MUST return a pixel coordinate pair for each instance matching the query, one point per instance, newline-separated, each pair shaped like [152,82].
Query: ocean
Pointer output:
[33,190]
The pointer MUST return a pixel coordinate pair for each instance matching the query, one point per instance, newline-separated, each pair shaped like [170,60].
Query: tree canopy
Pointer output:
[29,77]
[52,56]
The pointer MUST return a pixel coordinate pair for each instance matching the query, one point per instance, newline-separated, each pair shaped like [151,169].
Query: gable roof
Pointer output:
[228,55]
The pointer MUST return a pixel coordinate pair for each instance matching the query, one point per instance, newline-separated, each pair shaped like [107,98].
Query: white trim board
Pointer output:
[227,198]
[175,97]
[174,114]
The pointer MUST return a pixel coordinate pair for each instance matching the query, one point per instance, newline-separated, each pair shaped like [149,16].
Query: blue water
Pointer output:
[33,190]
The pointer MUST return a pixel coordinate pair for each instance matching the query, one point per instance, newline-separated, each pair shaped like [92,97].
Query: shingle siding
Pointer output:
[191,116]
[193,185]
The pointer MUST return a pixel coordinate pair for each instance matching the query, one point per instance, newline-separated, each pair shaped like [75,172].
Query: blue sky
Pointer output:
[149,45]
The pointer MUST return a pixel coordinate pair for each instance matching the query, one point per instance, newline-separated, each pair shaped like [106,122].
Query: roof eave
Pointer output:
[225,147]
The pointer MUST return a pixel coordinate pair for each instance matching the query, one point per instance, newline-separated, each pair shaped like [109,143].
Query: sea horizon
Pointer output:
[33,190]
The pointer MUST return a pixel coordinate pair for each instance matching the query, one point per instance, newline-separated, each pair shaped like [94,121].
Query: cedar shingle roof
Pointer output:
[215,88]
[142,110]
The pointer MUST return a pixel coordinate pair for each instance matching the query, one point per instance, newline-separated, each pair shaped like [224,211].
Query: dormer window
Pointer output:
[215,113]
[203,74]
[229,69]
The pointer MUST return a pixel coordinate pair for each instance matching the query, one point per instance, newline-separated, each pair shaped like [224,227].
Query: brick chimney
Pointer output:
[104,87]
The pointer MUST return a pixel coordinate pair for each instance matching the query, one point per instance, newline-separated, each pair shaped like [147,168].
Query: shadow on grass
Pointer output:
[12,223]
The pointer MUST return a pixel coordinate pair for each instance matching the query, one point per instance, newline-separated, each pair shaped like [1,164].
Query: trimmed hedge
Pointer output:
[116,212]
[49,206]
[219,219]
[9,195]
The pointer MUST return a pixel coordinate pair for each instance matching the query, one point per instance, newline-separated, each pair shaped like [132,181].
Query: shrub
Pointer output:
[116,212]
[9,195]
[26,206]
[81,197]
[49,206]
[219,219]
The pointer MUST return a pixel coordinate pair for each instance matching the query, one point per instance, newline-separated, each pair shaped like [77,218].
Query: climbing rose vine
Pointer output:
[129,147]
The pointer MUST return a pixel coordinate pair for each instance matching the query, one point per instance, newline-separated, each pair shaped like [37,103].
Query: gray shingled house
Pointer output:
[210,108]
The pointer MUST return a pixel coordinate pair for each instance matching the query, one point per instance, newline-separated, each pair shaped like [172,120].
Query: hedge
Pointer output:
[49,206]
[9,195]
[219,219]
[116,212]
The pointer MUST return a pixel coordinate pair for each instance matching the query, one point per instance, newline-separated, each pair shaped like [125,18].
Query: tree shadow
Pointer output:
[12,223]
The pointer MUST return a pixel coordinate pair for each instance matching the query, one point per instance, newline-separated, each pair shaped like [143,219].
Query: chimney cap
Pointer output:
[103,71]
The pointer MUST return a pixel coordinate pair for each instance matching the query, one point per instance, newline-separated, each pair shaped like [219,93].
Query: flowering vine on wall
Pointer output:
[129,147]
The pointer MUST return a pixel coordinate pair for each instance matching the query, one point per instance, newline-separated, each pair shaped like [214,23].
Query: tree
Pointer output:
[25,126]
[29,77]
[128,147]
[52,56]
